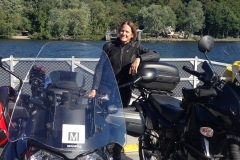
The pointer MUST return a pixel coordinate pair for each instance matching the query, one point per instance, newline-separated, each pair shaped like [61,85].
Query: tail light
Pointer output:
[206,131]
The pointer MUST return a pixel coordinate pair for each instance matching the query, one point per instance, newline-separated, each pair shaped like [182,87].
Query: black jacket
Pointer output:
[121,58]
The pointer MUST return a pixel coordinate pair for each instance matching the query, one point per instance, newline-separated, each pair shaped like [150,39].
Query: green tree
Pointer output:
[115,12]
[72,4]
[192,18]
[168,17]
[2,22]
[79,20]
[131,12]
[156,18]
[58,23]
[236,24]
[38,13]
[98,17]
[69,21]
[80,17]
[224,18]
[12,20]
[177,7]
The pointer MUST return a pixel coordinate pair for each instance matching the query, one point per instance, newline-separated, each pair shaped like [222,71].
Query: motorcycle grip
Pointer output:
[124,85]
[192,72]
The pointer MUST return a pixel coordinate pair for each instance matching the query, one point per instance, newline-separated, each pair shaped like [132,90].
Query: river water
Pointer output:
[226,52]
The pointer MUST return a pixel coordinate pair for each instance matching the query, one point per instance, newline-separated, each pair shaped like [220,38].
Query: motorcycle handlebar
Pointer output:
[200,76]
[125,85]
[130,83]
[192,72]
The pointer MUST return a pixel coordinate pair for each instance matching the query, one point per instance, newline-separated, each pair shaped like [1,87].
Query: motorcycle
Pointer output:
[203,125]
[211,131]
[53,117]
[7,94]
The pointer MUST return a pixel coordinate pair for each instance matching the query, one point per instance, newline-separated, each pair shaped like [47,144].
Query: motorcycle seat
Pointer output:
[167,106]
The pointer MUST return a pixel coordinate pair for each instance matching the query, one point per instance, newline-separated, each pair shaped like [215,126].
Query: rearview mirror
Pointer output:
[205,44]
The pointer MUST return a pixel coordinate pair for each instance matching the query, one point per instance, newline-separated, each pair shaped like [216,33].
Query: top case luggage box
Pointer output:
[167,77]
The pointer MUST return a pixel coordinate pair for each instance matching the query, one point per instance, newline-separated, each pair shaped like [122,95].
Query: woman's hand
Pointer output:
[92,94]
[134,66]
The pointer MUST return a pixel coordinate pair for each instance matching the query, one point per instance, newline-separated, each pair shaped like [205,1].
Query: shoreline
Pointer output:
[20,37]
[188,40]
[156,39]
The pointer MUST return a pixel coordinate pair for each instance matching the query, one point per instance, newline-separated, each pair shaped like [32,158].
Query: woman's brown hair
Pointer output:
[133,27]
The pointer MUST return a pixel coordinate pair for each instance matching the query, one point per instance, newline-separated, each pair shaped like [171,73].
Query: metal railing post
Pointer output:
[73,64]
[195,80]
[11,67]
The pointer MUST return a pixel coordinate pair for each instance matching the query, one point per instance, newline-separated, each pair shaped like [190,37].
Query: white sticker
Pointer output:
[73,134]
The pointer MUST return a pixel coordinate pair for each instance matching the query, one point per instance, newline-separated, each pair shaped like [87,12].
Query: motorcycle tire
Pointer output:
[146,149]
[234,152]
[144,152]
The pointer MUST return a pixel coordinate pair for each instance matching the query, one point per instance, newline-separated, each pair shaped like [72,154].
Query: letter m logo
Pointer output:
[73,136]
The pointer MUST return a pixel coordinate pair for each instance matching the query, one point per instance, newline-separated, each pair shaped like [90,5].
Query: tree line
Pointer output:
[45,19]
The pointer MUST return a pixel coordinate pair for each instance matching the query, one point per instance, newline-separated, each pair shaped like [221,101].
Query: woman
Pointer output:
[125,56]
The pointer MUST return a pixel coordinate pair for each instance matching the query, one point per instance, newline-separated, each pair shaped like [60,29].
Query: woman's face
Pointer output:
[125,34]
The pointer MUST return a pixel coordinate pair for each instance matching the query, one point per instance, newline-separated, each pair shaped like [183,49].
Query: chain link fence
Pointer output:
[86,66]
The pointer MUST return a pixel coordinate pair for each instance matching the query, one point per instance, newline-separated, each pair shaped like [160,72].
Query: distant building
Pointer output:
[25,33]
[110,35]
[139,32]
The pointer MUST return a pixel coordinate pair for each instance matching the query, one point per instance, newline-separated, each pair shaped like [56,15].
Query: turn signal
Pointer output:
[206,131]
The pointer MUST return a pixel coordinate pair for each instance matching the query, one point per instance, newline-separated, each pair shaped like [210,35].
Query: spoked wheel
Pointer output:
[146,151]
[179,155]
[231,152]
[148,142]
[234,151]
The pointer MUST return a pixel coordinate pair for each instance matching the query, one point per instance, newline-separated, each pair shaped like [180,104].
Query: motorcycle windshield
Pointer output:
[53,108]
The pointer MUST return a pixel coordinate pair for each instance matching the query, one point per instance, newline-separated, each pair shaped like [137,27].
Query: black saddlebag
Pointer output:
[167,79]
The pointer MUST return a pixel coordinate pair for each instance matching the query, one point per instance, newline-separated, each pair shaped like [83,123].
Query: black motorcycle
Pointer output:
[53,118]
[203,125]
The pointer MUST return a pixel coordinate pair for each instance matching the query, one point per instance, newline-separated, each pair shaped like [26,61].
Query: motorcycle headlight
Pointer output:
[92,156]
[41,154]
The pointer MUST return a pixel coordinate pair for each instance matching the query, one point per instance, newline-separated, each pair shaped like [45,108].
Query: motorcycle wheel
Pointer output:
[232,152]
[146,153]
[146,143]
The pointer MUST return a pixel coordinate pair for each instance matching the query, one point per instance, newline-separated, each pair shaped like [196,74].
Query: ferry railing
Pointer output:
[87,66]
